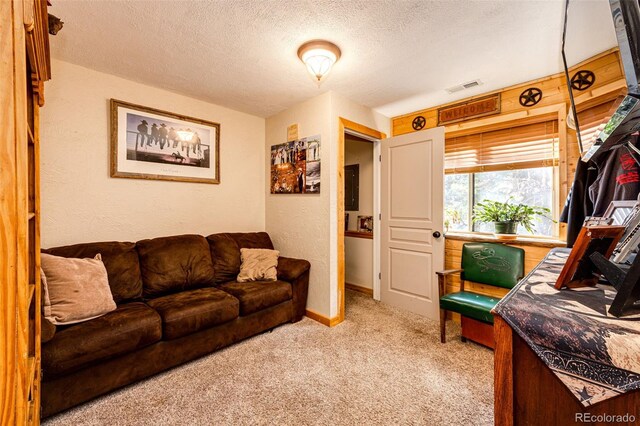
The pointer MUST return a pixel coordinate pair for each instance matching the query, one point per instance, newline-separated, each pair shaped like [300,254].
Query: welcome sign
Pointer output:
[476,108]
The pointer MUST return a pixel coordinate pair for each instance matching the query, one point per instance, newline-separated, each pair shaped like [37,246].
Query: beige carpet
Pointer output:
[380,366]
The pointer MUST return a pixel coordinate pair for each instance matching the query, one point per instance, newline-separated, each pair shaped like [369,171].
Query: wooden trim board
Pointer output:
[359,234]
[503,373]
[359,289]
[520,240]
[322,319]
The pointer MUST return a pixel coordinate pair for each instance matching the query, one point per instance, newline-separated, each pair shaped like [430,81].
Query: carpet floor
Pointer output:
[380,366]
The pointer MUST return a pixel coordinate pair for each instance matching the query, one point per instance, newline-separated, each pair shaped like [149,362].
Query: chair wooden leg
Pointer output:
[462,338]
[443,325]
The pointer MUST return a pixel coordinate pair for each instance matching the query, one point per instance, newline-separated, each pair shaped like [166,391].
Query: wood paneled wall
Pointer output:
[606,66]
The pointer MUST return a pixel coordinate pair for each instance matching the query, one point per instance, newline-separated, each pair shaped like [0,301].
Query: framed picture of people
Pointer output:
[147,143]
[295,167]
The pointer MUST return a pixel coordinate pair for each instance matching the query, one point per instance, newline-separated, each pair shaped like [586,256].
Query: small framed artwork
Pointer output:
[365,223]
[147,143]
[295,167]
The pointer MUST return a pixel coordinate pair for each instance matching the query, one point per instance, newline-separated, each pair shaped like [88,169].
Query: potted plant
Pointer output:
[506,216]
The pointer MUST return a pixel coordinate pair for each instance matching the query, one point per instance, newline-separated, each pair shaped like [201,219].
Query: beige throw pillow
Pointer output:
[75,290]
[258,265]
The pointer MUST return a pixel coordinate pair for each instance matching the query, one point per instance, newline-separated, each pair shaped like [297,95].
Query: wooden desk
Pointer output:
[536,321]
[528,393]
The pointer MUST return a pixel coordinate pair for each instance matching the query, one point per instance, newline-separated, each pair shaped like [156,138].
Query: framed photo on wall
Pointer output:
[147,143]
[365,223]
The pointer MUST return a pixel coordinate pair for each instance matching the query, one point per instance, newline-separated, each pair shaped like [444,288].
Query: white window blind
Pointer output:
[518,147]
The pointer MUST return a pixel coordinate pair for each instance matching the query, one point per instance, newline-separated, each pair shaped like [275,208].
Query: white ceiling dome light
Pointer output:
[319,56]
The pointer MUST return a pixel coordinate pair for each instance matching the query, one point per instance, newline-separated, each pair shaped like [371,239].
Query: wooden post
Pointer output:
[503,373]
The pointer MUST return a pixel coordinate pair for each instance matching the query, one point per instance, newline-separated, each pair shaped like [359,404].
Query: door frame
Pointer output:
[373,135]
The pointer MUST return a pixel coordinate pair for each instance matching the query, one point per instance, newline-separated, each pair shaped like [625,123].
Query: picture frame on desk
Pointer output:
[579,270]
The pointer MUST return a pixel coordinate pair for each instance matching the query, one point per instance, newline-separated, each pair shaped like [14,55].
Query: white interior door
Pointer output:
[412,245]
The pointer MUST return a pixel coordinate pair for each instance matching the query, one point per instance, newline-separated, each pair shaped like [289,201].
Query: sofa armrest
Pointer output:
[289,269]
[296,272]
[47,330]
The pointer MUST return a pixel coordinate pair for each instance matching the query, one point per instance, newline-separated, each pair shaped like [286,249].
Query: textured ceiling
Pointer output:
[397,56]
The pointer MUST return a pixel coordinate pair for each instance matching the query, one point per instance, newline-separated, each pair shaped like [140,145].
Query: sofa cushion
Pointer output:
[120,260]
[257,295]
[194,310]
[225,251]
[130,327]
[173,264]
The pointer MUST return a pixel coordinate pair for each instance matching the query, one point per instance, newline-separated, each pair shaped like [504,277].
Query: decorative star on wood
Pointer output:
[418,122]
[583,79]
[530,97]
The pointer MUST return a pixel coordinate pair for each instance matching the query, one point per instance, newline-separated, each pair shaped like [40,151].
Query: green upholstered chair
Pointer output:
[491,264]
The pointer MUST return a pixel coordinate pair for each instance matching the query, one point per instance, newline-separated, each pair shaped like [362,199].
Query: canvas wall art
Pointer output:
[295,167]
[147,143]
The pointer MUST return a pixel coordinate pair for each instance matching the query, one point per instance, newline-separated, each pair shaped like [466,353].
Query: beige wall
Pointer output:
[358,252]
[80,202]
[299,223]
[358,262]
[306,226]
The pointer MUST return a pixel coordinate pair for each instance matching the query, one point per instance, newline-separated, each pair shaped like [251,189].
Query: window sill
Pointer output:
[520,240]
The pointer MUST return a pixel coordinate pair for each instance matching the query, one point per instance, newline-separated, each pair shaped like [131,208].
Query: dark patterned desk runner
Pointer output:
[595,355]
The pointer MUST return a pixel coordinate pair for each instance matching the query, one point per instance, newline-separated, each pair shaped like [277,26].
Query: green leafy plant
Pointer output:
[451,217]
[496,211]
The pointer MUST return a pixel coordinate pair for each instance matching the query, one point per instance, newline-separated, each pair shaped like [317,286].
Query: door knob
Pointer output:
[437,234]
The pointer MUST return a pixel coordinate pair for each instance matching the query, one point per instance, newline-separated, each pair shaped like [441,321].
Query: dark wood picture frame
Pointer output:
[114,134]
[579,270]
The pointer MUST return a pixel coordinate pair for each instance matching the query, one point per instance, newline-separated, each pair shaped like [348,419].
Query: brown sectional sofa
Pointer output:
[177,300]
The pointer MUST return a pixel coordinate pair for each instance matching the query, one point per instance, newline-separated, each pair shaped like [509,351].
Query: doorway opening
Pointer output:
[358,241]
[359,211]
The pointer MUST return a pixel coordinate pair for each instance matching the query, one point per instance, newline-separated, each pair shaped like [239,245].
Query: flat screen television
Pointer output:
[624,117]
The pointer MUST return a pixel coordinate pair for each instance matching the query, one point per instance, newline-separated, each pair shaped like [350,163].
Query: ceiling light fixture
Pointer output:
[319,56]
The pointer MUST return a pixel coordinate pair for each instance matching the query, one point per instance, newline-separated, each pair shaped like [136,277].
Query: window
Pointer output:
[456,201]
[518,163]
[528,186]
